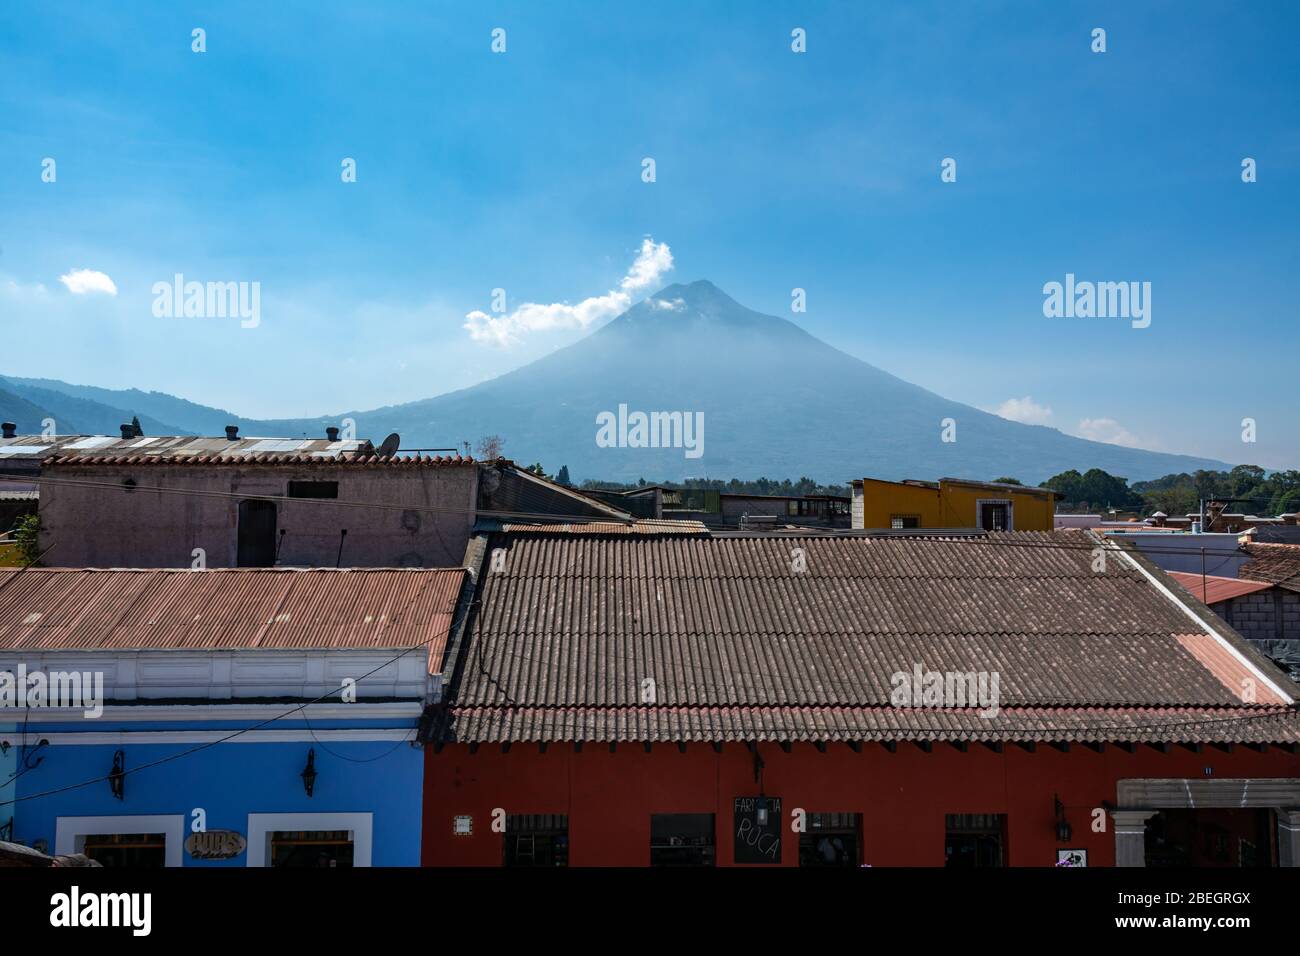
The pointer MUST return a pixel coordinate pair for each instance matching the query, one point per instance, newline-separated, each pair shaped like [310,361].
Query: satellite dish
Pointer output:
[390,446]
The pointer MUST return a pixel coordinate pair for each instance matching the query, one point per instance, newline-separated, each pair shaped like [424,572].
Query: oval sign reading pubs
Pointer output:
[215,845]
[758,830]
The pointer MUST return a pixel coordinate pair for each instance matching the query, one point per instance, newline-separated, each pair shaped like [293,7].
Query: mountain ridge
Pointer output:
[775,400]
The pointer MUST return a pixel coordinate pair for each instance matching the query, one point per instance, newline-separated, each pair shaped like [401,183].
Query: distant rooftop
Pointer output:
[967,483]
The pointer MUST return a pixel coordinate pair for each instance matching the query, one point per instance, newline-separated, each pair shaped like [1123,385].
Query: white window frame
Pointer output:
[1011,511]
[262,825]
[70,832]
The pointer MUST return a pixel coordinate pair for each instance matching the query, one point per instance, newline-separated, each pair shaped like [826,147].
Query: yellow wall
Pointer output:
[949,505]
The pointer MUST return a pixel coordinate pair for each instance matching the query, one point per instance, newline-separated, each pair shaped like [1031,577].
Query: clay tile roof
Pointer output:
[55,609]
[1275,563]
[802,638]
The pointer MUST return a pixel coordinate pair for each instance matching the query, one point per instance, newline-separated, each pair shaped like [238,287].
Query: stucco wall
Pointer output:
[229,781]
[107,526]
[1182,552]
[902,796]
[952,506]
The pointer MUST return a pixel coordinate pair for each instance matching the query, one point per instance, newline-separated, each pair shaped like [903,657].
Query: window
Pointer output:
[681,839]
[975,839]
[313,489]
[140,851]
[310,839]
[256,543]
[832,839]
[536,839]
[995,515]
[905,521]
[137,841]
[311,848]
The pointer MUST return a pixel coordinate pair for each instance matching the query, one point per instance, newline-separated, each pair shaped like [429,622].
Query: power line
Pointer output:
[205,746]
[985,541]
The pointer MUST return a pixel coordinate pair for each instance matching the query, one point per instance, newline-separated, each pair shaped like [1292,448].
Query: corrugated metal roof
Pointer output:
[236,608]
[744,624]
[998,486]
[197,450]
[34,447]
[1213,589]
[642,526]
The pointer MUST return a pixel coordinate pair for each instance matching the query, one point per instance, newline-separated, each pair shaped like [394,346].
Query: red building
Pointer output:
[622,699]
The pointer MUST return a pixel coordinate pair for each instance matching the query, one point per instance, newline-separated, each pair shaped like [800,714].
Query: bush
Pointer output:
[27,538]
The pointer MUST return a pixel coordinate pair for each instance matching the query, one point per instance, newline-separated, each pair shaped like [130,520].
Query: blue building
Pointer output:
[241,717]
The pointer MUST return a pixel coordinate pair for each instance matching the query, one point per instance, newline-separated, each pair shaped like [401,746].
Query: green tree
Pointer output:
[562,476]
[27,538]
[1094,489]
[135,426]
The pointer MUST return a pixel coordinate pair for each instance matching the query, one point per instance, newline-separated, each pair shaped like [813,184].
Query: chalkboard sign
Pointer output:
[758,830]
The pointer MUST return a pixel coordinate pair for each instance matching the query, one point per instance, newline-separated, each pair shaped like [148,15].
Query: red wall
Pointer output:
[902,796]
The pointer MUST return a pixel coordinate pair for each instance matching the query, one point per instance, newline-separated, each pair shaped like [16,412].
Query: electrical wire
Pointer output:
[995,542]
[238,733]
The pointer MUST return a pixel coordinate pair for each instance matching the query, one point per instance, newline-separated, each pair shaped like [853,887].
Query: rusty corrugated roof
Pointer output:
[1211,589]
[640,526]
[234,608]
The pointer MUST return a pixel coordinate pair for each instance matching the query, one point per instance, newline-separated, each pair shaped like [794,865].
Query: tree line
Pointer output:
[1257,491]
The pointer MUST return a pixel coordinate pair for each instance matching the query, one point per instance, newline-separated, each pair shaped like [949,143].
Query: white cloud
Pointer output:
[667,305]
[651,263]
[86,281]
[1107,430]
[1024,410]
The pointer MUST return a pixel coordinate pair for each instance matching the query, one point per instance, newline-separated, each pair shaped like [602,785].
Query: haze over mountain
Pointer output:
[776,402]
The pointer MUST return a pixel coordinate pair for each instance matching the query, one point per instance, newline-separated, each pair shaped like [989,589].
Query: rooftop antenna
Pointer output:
[390,446]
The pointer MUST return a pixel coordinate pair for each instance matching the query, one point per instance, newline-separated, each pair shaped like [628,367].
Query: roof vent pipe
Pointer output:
[332,433]
[10,429]
[128,430]
[232,433]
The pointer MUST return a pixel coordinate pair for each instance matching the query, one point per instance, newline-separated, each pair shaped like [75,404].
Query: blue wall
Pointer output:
[230,781]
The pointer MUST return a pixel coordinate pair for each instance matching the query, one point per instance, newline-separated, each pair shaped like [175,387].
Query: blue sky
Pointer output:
[775,170]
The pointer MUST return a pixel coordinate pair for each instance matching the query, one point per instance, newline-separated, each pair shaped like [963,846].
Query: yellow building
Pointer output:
[951,503]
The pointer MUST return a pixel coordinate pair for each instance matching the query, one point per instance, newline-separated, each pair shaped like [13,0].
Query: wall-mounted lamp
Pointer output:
[760,813]
[309,772]
[1063,831]
[117,776]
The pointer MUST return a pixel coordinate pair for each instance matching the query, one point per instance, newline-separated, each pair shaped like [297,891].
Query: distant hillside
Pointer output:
[186,418]
[73,415]
[28,416]
[776,401]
